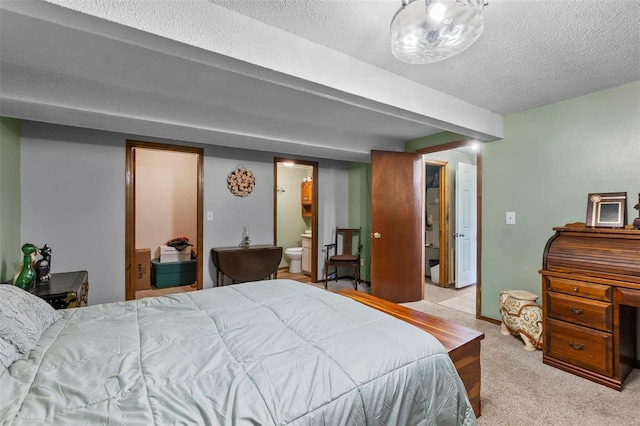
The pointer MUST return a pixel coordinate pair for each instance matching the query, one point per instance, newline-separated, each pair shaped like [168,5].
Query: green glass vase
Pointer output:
[27,276]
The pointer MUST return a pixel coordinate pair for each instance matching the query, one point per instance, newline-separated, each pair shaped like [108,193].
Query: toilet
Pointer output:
[295,259]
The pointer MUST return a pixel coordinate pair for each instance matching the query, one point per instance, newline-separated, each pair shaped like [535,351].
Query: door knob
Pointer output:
[376,235]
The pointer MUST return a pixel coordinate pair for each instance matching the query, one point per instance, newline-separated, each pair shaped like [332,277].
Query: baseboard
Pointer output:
[491,320]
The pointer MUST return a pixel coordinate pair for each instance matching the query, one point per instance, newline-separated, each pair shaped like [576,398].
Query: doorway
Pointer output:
[180,213]
[295,213]
[448,209]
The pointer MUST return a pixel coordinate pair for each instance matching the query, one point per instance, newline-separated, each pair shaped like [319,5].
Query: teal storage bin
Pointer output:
[172,274]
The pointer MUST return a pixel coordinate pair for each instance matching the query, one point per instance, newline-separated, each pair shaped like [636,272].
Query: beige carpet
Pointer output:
[518,389]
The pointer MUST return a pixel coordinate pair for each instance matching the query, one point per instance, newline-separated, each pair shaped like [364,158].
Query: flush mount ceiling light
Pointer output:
[427,31]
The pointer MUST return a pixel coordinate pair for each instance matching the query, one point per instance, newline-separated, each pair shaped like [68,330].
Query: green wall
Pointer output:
[360,210]
[10,254]
[549,160]
[433,140]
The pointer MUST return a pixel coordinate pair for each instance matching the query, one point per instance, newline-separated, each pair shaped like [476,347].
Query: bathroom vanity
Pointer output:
[306,254]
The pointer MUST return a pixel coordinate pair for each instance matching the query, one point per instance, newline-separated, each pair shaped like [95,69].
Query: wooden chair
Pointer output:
[345,254]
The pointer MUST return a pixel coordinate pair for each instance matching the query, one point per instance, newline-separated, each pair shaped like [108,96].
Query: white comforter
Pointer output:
[263,353]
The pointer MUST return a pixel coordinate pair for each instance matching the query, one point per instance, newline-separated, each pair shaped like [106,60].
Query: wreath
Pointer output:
[241,181]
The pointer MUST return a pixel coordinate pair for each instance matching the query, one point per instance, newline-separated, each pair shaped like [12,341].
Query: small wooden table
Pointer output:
[462,343]
[65,290]
[243,264]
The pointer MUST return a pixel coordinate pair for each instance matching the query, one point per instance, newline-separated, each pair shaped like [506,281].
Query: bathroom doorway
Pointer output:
[295,216]
[436,237]
[443,160]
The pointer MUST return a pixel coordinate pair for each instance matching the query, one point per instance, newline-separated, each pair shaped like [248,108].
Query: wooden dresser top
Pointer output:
[598,252]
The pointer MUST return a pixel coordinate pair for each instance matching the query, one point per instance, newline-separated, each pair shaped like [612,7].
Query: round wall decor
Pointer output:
[241,181]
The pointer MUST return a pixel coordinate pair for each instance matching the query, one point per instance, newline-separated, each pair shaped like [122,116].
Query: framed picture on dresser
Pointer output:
[607,210]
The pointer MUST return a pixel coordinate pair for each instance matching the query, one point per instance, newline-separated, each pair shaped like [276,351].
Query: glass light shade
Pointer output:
[427,31]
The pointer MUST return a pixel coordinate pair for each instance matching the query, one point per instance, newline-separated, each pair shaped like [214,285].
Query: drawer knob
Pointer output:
[576,346]
[575,289]
[576,311]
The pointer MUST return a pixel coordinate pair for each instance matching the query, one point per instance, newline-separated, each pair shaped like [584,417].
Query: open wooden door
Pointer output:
[397,219]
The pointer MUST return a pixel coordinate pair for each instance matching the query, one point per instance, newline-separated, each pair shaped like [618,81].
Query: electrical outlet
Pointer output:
[511,218]
[361,262]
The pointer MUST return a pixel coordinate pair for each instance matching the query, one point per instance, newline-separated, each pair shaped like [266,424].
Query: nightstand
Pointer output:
[65,290]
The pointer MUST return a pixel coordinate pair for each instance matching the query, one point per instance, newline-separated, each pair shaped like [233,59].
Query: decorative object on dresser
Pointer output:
[65,290]
[246,238]
[25,277]
[43,265]
[607,209]
[521,316]
[591,292]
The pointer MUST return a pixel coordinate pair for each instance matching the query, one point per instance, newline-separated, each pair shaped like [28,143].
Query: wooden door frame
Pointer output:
[130,209]
[314,208]
[443,240]
[459,144]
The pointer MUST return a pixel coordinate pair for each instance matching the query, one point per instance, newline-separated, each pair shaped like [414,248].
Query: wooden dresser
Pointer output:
[65,290]
[591,292]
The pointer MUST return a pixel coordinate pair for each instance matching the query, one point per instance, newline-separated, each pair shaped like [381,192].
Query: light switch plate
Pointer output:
[209,216]
[511,218]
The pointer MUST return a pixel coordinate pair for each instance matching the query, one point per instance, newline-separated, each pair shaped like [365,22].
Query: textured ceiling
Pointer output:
[532,52]
[302,77]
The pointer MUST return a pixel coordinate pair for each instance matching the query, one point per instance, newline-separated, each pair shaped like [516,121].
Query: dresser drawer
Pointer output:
[580,288]
[581,346]
[579,310]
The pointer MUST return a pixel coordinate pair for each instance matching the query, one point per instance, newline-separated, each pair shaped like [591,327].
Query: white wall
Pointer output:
[73,198]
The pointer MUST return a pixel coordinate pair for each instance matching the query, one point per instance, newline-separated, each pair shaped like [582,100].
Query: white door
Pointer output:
[466,225]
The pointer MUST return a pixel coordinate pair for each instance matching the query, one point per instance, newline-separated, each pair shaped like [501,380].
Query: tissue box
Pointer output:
[173,274]
[169,254]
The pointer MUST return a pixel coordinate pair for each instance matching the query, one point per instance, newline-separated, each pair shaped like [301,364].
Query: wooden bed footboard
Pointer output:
[462,343]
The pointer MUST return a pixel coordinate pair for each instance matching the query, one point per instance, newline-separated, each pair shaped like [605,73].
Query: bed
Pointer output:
[260,353]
